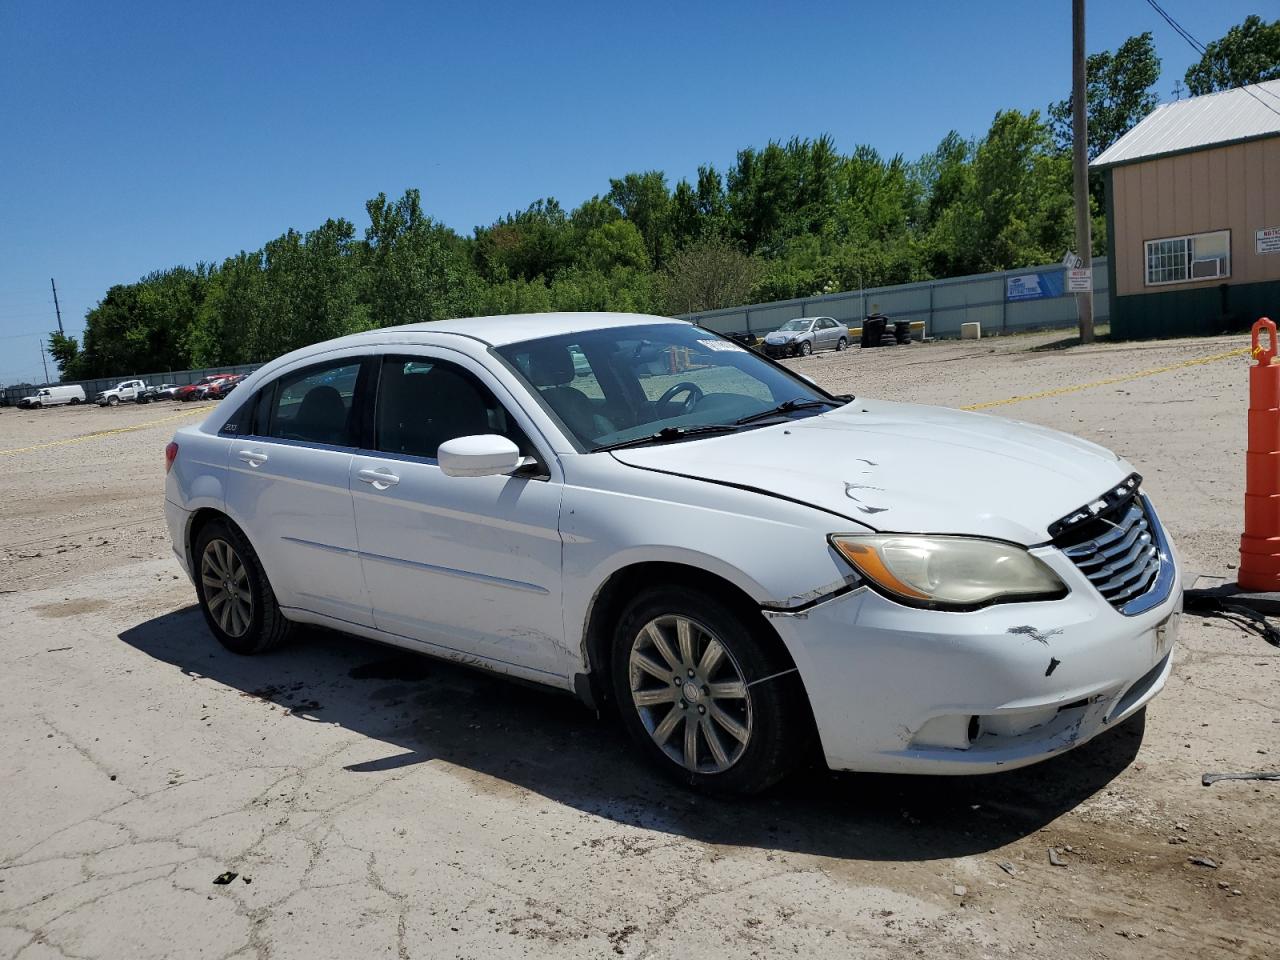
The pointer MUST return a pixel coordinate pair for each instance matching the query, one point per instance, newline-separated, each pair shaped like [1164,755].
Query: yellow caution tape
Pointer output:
[107,433]
[1242,352]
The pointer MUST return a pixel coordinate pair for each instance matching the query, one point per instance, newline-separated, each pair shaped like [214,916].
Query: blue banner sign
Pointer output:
[1033,286]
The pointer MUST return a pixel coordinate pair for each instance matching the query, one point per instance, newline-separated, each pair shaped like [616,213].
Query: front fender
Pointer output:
[775,551]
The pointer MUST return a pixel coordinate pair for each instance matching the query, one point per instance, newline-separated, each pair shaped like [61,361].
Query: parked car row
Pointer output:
[213,387]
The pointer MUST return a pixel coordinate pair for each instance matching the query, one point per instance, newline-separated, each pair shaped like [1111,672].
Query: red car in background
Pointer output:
[220,388]
[192,390]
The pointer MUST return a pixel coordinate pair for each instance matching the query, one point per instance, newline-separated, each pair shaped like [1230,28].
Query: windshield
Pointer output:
[624,383]
[799,324]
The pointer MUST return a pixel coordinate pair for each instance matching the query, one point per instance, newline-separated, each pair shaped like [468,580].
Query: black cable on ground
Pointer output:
[1209,603]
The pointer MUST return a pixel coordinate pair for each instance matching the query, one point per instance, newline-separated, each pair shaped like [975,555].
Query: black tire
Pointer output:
[844,342]
[37,405]
[75,401]
[113,401]
[267,627]
[806,348]
[773,713]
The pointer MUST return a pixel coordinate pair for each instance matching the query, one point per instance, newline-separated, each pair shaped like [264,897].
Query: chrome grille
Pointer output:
[1117,547]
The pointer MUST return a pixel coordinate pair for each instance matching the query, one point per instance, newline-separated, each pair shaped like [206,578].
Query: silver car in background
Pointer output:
[805,335]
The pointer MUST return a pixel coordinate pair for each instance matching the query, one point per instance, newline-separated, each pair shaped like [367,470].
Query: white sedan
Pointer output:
[645,514]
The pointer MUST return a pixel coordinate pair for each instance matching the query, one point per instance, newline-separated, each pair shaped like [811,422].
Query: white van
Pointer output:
[52,397]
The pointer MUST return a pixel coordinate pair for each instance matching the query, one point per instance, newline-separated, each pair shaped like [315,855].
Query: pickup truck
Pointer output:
[124,390]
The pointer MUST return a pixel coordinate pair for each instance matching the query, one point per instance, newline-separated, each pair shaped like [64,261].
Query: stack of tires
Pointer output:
[902,331]
[874,332]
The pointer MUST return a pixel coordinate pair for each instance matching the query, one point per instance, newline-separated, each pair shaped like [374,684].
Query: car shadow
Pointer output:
[546,742]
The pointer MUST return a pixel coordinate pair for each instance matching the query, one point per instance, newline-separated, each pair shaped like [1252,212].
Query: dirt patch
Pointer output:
[70,608]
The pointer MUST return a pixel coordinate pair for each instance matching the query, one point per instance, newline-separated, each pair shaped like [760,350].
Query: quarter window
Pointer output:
[1200,256]
[315,405]
[422,402]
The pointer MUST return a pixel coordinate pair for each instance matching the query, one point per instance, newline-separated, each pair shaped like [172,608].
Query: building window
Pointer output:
[1201,256]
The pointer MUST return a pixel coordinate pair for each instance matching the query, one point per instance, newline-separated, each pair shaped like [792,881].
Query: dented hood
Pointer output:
[906,468]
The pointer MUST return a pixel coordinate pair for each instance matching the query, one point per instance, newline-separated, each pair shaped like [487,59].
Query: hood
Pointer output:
[906,468]
[780,336]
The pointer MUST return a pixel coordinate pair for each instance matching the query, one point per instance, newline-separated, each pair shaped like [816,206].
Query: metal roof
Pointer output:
[1228,116]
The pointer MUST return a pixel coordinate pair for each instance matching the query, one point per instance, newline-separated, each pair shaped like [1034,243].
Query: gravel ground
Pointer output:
[378,804]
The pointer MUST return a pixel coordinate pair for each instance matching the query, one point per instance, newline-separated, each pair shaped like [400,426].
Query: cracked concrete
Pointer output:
[374,804]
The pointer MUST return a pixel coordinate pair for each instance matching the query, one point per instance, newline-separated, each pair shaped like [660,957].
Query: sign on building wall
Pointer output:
[1033,286]
[1268,240]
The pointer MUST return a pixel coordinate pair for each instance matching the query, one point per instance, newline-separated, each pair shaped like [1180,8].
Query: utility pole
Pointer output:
[57,309]
[1080,166]
[43,364]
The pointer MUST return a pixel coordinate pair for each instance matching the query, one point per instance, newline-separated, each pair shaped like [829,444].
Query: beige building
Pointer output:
[1193,215]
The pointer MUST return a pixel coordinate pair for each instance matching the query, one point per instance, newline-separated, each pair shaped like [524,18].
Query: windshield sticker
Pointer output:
[718,345]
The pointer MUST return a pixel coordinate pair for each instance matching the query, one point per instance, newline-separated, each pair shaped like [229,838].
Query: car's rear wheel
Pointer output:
[698,688]
[842,344]
[235,595]
[806,348]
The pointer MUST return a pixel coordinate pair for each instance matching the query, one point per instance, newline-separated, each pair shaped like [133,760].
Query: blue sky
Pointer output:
[136,136]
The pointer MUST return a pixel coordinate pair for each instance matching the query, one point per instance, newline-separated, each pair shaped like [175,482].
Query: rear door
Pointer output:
[288,485]
[468,565]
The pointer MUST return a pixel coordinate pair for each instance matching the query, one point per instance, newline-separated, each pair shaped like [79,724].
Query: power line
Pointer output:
[1199,48]
[30,333]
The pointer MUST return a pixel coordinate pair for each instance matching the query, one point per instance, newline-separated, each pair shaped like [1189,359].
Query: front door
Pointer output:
[467,565]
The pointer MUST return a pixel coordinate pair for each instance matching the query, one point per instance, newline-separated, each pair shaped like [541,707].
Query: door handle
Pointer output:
[381,479]
[254,458]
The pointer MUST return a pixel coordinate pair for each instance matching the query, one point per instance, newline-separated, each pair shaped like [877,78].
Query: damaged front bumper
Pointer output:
[901,690]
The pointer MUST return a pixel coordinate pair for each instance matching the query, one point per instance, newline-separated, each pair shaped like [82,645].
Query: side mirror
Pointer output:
[482,455]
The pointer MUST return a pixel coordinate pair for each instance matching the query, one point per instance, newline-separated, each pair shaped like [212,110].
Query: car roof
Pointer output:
[512,328]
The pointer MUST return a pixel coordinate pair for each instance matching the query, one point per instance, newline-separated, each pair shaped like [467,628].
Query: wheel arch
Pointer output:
[612,596]
[199,519]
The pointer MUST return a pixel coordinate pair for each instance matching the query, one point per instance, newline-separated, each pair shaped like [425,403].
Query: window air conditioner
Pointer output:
[1208,269]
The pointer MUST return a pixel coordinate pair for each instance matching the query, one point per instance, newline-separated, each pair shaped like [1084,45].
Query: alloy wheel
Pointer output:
[226,588]
[690,694]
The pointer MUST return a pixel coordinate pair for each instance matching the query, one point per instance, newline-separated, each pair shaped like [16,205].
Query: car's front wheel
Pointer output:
[234,593]
[698,687]
[806,348]
[113,401]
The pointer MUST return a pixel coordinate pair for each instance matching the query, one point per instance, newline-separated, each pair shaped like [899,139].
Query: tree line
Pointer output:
[791,219]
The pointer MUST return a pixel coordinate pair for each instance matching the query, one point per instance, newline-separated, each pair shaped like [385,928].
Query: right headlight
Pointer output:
[948,573]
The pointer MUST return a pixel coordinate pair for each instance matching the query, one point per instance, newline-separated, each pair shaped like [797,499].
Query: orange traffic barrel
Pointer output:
[1260,543]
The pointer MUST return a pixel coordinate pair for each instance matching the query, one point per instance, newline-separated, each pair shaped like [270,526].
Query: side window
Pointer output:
[315,405]
[252,417]
[423,402]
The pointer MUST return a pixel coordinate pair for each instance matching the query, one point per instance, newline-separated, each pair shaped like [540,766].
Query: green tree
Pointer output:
[1119,92]
[1248,53]
[66,354]
[643,199]
[613,246]
[537,242]
[707,276]
[1016,208]
[415,270]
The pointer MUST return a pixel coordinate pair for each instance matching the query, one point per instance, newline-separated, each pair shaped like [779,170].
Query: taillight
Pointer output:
[170,455]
